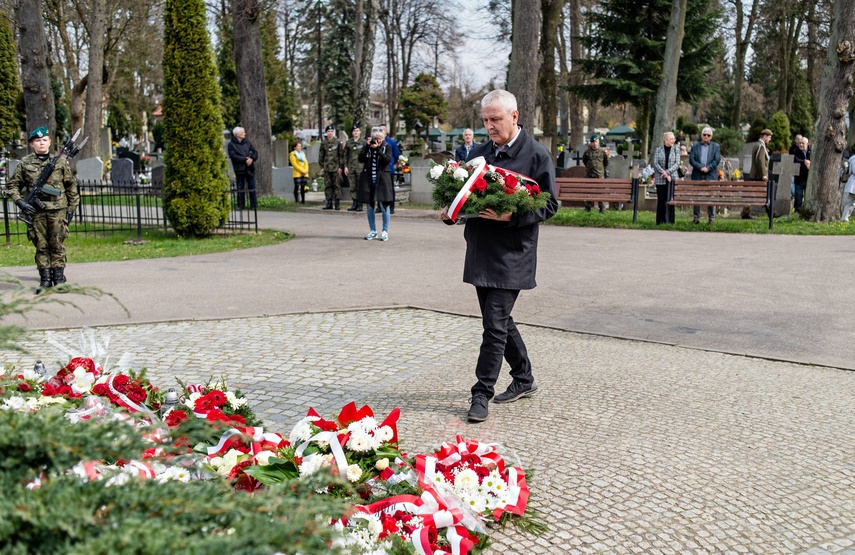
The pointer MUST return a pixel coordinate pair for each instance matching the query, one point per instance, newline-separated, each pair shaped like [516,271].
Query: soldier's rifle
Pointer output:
[69,150]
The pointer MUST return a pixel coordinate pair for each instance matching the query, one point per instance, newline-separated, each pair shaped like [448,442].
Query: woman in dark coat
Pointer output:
[375,182]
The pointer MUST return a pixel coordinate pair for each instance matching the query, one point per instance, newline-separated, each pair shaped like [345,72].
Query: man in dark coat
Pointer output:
[243,155]
[501,254]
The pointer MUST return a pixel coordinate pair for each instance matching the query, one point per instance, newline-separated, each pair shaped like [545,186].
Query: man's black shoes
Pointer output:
[515,391]
[478,411]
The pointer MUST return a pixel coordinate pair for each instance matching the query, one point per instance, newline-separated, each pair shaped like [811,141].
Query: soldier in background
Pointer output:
[50,226]
[330,159]
[596,161]
[352,166]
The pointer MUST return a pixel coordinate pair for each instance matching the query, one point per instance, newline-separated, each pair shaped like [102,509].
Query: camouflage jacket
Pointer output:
[330,155]
[596,162]
[351,157]
[27,173]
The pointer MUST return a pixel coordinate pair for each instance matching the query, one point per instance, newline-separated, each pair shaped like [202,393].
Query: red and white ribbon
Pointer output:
[335,447]
[468,187]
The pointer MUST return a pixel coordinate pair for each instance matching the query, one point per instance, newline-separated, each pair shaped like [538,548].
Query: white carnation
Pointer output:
[461,174]
[436,171]
[311,464]
[234,401]
[466,480]
[375,526]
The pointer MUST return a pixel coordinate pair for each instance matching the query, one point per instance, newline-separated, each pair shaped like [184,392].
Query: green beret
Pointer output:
[594,137]
[38,133]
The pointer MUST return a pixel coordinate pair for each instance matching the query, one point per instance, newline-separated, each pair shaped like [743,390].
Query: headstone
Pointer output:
[105,146]
[612,147]
[443,139]
[784,168]
[280,153]
[283,182]
[575,171]
[618,167]
[133,157]
[157,170]
[122,172]
[577,154]
[421,185]
[747,149]
[90,169]
[313,151]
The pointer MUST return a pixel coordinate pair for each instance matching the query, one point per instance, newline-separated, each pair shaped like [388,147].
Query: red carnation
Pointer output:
[175,417]
[99,389]
[49,390]
[24,386]
[65,390]
[533,189]
[120,382]
[481,184]
[218,397]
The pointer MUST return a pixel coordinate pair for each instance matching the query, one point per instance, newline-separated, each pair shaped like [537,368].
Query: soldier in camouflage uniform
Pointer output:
[330,160]
[596,161]
[352,166]
[50,226]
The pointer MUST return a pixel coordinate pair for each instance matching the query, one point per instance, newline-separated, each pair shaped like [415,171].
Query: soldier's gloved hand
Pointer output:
[25,208]
[69,216]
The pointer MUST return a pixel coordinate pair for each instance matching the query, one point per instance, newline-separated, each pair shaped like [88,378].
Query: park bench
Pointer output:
[731,194]
[583,189]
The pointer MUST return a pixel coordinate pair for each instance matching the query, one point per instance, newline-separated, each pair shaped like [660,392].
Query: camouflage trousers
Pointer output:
[47,234]
[332,187]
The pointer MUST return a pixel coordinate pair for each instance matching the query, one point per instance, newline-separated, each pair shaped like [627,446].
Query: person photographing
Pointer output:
[375,182]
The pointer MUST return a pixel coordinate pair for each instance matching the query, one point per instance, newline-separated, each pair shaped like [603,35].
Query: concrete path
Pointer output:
[668,445]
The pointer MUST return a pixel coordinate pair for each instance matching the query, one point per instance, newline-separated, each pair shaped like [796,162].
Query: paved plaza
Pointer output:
[653,431]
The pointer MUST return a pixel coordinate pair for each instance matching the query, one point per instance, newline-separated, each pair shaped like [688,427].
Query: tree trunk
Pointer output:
[577,122]
[643,127]
[365,46]
[254,114]
[525,59]
[78,99]
[35,73]
[830,130]
[666,96]
[739,58]
[548,88]
[93,116]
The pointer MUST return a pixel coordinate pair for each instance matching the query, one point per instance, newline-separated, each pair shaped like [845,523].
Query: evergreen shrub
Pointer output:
[779,125]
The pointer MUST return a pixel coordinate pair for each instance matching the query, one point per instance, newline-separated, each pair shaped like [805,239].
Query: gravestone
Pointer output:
[612,147]
[421,185]
[784,168]
[133,157]
[122,172]
[90,169]
[575,171]
[577,153]
[283,182]
[747,149]
[280,153]
[157,170]
[443,139]
[313,151]
[618,167]
[105,146]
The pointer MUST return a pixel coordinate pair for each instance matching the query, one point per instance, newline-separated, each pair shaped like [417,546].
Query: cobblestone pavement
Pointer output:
[636,447]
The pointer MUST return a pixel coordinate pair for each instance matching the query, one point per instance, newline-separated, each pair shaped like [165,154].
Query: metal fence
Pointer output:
[108,209]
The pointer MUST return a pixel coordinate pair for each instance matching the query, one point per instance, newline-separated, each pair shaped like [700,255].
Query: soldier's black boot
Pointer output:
[58,276]
[328,206]
[358,207]
[352,207]
[44,280]
[337,204]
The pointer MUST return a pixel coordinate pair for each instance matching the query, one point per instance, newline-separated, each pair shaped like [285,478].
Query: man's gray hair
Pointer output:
[236,129]
[705,129]
[507,100]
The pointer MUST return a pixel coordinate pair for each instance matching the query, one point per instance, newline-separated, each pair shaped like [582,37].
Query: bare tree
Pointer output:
[575,78]
[548,86]
[743,40]
[666,96]
[525,59]
[94,85]
[35,73]
[249,63]
[363,60]
[830,131]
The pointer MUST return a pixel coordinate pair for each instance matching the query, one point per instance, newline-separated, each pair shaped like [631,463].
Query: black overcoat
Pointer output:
[504,254]
[383,192]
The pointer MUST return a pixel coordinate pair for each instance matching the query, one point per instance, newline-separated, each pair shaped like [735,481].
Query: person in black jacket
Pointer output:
[501,254]
[243,155]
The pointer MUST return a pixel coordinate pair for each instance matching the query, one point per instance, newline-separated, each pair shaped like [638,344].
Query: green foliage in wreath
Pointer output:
[494,197]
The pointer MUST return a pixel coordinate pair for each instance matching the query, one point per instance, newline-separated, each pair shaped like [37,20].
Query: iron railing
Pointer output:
[108,209]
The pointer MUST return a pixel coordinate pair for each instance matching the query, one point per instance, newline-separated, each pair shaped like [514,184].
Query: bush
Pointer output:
[196,188]
[758,125]
[780,127]
[691,129]
[731,141]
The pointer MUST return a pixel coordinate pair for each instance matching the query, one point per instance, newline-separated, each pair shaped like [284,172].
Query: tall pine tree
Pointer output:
[10,89]
[195,190]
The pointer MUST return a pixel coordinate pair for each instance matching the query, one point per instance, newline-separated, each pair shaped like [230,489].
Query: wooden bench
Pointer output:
[731,194]
[582,189]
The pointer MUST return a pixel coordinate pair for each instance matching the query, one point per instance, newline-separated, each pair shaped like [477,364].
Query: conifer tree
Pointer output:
[10,89]
[229,98]
[195,191]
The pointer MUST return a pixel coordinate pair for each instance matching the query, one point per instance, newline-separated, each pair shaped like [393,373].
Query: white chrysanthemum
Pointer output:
[263,458]
[494,483]
[359,441]
[354,472]
[384,433]
[466,479]
[461,174]
[83,380]
[436,171]
[367,424]
[191,400]
[499,488]
[476,502]
[234,401]
[438,480]
[303,431]
[175,474]
[375,526]
[16,403]
[118,480]
[311,464]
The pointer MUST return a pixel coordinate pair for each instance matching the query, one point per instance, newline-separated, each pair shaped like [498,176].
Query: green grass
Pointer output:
[732,223]
[158,244]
